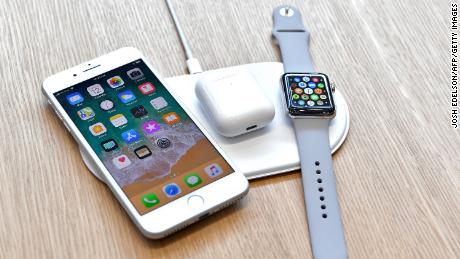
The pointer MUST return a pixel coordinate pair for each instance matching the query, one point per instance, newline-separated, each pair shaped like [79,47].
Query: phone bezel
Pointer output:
[159,222]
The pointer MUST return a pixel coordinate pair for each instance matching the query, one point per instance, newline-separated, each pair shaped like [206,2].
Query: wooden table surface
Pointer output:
[398,173]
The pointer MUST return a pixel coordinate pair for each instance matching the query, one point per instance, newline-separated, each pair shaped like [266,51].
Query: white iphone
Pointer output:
[156,158]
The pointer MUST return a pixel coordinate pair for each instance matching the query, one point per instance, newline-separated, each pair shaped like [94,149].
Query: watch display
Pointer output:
[308,94]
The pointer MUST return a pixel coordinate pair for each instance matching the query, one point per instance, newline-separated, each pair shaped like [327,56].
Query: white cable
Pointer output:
[193,64]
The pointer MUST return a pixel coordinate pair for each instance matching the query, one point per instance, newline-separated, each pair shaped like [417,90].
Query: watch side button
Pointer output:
[333,87]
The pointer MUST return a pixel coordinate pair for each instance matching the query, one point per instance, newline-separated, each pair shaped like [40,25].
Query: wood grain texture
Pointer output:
[398,173]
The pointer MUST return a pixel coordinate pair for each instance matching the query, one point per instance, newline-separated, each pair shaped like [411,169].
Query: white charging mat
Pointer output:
[267,151]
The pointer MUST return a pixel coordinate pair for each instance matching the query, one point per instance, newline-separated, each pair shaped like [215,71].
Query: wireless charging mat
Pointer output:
[267,151]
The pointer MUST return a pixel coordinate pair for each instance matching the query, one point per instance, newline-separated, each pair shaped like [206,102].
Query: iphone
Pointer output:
[156,158]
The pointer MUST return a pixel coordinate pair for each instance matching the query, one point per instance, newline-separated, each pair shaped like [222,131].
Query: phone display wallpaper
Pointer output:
[147,142]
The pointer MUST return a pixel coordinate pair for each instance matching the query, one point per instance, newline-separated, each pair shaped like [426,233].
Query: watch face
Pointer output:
[308,94]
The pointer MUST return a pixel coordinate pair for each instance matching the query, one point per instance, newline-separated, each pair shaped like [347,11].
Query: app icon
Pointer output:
[192,180]
[97,129]
[317,91]
[297,79]
[118,120]
[311,85]
[301,102]
[298,91]
[295,96]
[314,97]
[302,84]
[213,170]
[150,199]
[171,190]
[308,91]
[130,136]
[121,162]
[109,145]
[163,143]
[159,103]
[310,103]
[146,88]
[115,82]
[127,96]
[320,85]
[151,127]
[139,111]
[323,97]
[304,97]
[106,105]
[75,98]
[306,78]
[142,152]
[315,79]
[319,102]
[86,113]
[95,90]
[171,118]
[135,74]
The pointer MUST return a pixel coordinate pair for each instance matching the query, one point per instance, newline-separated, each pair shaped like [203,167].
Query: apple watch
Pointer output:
[310,103]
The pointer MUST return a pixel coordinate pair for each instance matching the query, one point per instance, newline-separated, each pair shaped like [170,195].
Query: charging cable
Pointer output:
[193,64]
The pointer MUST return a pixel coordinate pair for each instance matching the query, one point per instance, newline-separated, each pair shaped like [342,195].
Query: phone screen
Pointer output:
[147,142]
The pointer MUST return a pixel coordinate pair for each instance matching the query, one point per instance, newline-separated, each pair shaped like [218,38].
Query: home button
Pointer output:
[195,202]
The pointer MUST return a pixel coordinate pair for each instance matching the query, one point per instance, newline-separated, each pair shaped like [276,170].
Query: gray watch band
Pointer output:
[318,179]
[293,39]
[323,211]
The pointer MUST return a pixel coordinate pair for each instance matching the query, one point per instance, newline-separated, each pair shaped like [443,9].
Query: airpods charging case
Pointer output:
[234,103]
